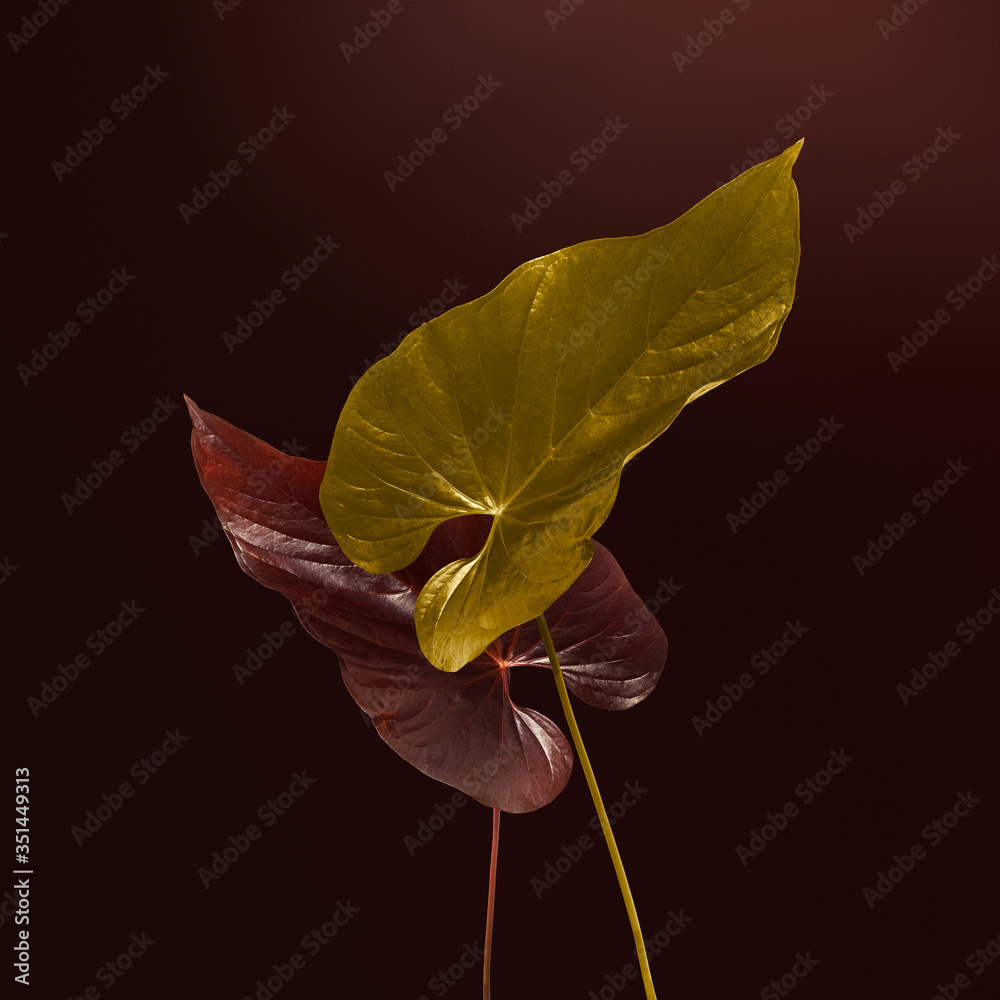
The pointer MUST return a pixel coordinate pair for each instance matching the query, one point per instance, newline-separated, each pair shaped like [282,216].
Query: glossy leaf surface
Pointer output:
[525,404]
[461,728]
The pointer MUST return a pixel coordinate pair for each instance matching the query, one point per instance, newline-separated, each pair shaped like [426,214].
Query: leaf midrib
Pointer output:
[554,448]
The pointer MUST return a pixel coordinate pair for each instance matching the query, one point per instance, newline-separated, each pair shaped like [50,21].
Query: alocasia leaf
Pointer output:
[461,728]
[526,403]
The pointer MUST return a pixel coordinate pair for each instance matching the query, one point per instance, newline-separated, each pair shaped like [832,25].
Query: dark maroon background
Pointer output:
[885,101]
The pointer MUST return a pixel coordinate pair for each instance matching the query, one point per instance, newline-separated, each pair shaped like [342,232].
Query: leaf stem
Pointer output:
[595,794]
[488,947]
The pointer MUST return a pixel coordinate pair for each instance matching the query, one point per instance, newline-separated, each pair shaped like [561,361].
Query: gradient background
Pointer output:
[66,573]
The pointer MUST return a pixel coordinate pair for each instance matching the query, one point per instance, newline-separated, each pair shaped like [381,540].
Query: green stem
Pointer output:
[488,947]
[595,794]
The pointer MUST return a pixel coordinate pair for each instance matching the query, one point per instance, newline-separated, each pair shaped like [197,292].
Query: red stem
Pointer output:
[487,950]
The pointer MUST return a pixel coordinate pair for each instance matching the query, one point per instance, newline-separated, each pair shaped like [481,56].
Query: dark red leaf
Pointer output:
[461,728]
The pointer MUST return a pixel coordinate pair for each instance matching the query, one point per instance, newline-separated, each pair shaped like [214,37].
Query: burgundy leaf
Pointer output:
[460,728]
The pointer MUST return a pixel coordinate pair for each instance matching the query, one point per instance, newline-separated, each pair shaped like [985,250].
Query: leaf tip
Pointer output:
[792,153]
[194,411]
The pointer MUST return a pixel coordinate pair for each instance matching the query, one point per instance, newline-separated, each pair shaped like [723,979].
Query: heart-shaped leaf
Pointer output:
[526,403]
[461,728]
